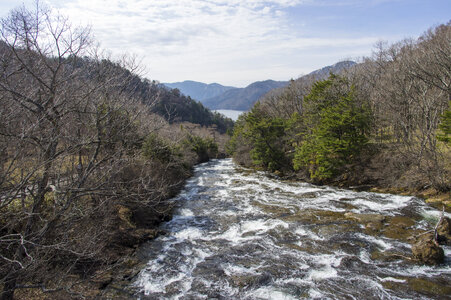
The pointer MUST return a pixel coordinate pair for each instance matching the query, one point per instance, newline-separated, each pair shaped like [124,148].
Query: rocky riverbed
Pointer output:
[238,234]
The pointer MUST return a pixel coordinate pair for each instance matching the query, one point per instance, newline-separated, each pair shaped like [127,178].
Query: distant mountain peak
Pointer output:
[199,90]
[243,98]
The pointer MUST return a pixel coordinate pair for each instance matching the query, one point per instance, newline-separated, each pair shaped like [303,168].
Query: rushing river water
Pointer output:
[239,234]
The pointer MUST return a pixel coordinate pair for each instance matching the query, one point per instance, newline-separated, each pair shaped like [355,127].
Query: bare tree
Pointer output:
[35,83]
[69,129]
[410,88]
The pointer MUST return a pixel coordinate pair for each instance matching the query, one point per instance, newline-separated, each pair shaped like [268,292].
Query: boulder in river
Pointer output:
[365,218]
[372,222]
[444,231]
[427,251]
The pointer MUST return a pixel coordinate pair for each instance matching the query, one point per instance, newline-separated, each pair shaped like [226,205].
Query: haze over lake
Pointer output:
[230,113]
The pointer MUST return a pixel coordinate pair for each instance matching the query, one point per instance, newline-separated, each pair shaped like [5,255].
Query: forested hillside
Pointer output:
[337,68]
[381,123]
[168,103]
[87,160]
[176,108]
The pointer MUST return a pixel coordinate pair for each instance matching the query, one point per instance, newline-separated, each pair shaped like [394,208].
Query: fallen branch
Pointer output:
[438,223]
[421,234]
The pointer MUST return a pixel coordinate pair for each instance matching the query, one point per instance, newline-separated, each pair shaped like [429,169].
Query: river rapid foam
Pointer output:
[239,234]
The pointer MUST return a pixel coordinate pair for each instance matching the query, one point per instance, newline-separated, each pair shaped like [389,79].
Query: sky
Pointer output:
[237,42]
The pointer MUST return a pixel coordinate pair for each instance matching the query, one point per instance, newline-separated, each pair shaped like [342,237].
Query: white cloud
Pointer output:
[233,42]
[349,2]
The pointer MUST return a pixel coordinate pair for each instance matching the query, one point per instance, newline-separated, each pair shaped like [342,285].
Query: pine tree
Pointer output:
[338,127]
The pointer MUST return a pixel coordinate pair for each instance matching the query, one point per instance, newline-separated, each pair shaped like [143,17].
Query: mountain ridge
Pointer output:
[216,96]
[243,98]
[199,90]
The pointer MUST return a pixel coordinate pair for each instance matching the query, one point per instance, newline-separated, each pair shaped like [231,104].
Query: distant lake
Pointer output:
[232,114]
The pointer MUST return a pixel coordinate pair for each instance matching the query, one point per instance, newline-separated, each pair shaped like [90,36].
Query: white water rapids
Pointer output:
[239,234]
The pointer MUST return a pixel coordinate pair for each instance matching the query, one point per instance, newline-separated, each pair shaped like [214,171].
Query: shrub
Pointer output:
[157,148]
[445,127]
[205,148]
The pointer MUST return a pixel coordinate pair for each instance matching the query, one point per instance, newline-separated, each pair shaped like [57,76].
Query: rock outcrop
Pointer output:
[427,248]
[427,251]
[444,231]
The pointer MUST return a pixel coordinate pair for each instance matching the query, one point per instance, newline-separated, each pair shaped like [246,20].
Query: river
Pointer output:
[240,234]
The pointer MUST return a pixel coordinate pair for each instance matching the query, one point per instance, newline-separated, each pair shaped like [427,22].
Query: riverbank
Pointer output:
[111,278]
[131,224]
[438,200]
[361,182]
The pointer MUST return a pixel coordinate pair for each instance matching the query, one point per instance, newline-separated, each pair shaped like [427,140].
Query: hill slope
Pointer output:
[168,103]
[336,69]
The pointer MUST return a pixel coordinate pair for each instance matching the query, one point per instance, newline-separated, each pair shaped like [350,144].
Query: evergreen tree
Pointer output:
[338,127]
[266,135]
[445,126]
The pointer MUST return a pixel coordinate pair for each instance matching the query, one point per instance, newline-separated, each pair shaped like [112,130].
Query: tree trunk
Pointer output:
[9,287]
